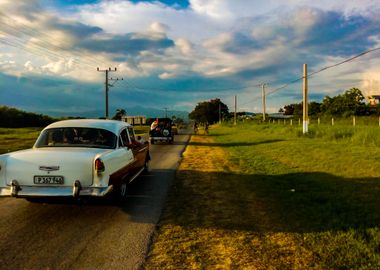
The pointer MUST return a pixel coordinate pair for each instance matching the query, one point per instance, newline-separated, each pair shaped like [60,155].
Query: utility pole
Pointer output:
[235,110]
[305,109]
[106,85]
[264,103]
[166,112]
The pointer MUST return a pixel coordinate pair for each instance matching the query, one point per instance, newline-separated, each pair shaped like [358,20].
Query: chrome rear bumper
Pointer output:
[76,190]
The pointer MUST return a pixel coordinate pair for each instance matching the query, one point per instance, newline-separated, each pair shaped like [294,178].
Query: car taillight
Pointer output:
[99,165]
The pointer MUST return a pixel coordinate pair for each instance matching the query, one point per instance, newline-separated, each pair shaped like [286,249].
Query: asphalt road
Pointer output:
[94,234]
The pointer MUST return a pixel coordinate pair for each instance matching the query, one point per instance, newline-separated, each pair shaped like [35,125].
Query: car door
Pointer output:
[139,150]
[129,168]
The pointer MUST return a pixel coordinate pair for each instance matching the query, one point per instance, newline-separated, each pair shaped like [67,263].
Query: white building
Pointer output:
[134,120]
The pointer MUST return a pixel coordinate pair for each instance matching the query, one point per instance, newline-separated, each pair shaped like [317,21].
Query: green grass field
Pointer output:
[13,139]
[267,197]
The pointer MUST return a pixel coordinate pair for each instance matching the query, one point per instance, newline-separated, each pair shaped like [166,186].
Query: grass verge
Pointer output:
[13,139]
[261,197]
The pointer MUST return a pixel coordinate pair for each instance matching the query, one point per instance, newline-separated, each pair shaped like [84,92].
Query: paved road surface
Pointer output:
[89,235]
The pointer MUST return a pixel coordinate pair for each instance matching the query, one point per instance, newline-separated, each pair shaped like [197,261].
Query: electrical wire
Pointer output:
[323,69]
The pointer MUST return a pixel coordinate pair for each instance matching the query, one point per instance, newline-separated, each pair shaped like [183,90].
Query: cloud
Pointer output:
[185,46]
[158,27]
[121,17]
[128,44]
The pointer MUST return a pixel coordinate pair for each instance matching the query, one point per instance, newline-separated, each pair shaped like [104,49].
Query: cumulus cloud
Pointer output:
[59,67]
[185,46]
[158,27]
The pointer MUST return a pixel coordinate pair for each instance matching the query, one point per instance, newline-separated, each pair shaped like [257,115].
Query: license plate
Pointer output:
[50,180]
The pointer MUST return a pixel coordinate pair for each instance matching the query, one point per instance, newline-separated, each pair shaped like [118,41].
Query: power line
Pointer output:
[344,61]
[26,30]
[324,68]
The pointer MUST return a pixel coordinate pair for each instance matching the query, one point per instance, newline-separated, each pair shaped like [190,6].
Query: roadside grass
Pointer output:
[141,130]
[266,197]
[13,139]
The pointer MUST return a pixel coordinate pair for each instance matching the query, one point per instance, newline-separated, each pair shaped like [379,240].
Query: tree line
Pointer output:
[350,103]
[14,118]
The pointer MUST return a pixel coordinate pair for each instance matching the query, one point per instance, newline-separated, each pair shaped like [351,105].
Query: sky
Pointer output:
[173,54]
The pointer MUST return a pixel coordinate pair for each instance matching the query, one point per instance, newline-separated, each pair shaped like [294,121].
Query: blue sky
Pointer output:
[174,54]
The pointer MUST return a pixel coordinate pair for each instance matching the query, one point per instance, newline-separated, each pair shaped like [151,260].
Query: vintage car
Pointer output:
[161,130]
[76,158]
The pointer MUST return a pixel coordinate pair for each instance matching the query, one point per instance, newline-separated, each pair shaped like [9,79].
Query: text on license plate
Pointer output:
[48,179]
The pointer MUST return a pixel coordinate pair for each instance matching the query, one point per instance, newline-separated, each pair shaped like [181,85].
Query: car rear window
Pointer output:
[77,137]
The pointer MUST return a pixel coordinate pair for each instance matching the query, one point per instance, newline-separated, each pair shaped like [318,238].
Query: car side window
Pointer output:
[131,134]
[124,138]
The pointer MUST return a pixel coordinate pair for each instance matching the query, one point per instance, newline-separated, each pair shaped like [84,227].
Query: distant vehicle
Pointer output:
[74,158]
[161,130]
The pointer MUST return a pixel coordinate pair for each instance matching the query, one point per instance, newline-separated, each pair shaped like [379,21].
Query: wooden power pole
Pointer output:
[264,103]
[106,85]
[235,110]
[305,109]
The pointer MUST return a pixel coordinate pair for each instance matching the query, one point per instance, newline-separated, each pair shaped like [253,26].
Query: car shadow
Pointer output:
[143,203]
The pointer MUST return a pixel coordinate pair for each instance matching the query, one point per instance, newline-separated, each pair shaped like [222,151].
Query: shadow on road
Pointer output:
[143,203]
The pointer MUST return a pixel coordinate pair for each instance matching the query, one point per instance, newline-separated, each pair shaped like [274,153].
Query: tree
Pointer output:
[349,103]
[208,111]
[314,108]
[119,114]
[293,109]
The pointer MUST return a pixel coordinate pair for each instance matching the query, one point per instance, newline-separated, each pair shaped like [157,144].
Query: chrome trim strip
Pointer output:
[137,174]
[49,168]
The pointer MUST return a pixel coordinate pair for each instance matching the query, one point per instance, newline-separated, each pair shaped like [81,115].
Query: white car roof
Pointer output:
[111,125]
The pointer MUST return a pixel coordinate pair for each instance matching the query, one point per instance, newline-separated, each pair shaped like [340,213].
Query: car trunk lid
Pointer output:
[52,166]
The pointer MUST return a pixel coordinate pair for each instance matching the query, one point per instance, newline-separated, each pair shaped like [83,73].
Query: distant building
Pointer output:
[134,120]
[280,116]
